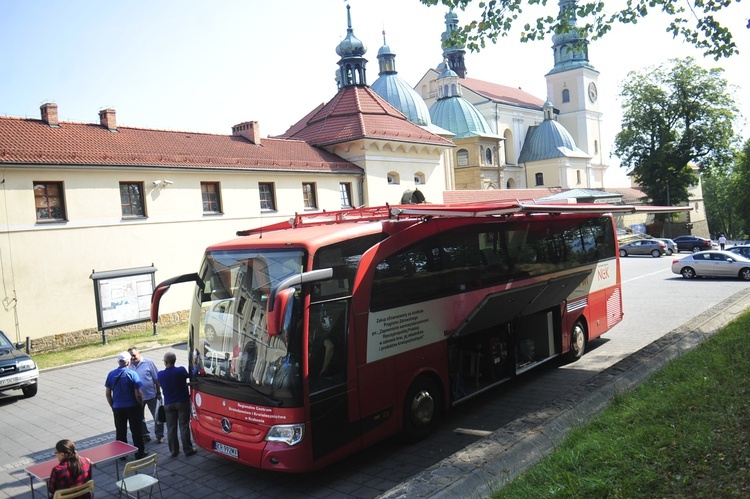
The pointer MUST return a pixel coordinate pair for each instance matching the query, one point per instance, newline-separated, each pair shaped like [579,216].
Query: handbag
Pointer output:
[161,413]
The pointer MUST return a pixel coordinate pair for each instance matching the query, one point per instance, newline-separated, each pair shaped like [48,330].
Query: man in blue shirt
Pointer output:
[150,390]
[124,396]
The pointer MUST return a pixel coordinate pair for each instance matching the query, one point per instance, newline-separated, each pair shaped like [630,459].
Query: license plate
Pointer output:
[10,380]
[226,450]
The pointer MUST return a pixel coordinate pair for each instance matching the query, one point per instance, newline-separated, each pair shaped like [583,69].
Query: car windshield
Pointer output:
[5,342]
[228,324]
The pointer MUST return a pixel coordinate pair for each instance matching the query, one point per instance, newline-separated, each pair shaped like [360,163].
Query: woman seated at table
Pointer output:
[73,469]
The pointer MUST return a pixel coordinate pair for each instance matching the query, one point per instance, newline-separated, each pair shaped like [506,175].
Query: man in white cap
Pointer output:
[124,396]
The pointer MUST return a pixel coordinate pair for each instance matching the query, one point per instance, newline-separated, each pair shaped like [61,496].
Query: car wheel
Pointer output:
[623,253]
[745,274]
[577,342]
[669,252]
[688,272]
[30,391]
[656,253]
[421,409]
[210,332]
[696,249]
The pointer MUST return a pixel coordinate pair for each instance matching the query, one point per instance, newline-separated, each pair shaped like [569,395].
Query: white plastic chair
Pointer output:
[135,477]
[77,491]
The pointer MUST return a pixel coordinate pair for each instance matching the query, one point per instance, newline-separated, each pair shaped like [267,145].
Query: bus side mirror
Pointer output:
[278,319]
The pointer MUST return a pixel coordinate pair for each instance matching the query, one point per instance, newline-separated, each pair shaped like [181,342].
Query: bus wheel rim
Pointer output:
[422,408]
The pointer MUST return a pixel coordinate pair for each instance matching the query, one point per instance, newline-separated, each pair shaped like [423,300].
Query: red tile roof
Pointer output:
[355,113]
[503,94]
[31,141]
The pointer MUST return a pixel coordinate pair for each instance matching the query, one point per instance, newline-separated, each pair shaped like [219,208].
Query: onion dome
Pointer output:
[352,63]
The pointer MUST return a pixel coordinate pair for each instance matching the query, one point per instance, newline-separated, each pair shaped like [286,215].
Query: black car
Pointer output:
[742,249]
[17,370]
[692,243]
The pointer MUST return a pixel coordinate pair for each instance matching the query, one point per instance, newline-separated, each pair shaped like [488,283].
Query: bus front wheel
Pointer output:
[577,341]
[421,409]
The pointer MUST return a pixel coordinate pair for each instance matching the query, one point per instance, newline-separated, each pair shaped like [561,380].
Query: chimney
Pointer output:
[108,120]
[49,114]
[249,130]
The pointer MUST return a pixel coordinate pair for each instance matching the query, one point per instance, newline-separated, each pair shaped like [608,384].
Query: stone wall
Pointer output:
[62,341]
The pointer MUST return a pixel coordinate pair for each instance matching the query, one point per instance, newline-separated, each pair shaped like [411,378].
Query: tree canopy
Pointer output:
[675,115]
[695,21]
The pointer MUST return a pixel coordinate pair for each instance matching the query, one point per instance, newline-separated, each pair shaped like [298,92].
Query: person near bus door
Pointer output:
[124,397]
[151,391]
[176,405]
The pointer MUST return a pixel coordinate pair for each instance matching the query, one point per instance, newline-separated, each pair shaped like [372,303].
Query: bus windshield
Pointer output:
[231,346]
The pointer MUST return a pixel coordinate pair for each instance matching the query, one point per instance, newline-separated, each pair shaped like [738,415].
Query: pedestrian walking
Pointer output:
[123,391]
[722,242]
[151,391]
[173,381]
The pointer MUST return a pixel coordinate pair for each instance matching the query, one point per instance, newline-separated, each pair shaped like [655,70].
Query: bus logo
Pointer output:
[226,426]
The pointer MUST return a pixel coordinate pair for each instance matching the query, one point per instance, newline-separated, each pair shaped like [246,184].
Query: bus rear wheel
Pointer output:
[421,409]
[577,341]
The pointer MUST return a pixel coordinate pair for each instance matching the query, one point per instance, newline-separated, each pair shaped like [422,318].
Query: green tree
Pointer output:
[674,115]
[694,21]
[720,208]
[739,190]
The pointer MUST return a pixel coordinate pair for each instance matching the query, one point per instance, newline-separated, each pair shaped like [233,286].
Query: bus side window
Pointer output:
[327,348]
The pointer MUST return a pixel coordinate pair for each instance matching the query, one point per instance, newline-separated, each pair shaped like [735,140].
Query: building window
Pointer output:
[308,195]
[419,178]
[488,155]
[211,197]
[393,178]
[462,157]
[267,198]
[539,178]
[50,202]
[578,176]
[131,199]
[566,95]
[345,190]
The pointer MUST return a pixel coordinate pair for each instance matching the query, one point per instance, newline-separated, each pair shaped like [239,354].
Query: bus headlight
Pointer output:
[290,434]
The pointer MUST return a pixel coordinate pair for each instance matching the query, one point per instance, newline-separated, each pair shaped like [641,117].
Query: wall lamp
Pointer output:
[162,183]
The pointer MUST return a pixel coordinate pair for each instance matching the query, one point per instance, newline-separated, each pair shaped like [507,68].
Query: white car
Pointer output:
[713,264]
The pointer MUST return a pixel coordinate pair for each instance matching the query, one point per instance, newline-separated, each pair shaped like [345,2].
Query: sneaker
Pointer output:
[176,453]
[146,438]
[140,455]
[190,452]
[160,440]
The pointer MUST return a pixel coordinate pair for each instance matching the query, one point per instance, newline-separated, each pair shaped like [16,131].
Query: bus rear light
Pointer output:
[193,412]
[290,434]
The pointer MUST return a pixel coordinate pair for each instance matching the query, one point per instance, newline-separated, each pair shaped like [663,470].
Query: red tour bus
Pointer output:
[313,339]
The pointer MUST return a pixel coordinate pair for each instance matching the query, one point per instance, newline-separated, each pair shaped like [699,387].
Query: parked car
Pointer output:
[18,371]
[713,264]
[219,319]
[742,249]
[671,245]
[643,247]
[692,243]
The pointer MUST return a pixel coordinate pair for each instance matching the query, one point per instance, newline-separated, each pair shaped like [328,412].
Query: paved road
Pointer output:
[481,443]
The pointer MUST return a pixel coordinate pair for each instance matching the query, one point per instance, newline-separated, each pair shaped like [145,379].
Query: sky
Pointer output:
[198,66]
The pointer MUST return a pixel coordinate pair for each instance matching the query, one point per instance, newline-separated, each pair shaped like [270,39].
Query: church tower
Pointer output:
[572,89]
[351,70]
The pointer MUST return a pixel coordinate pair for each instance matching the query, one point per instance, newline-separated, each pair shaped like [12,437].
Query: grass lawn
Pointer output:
[684,433]
[142,338]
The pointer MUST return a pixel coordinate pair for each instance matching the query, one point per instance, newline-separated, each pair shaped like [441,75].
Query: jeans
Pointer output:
[178,414]
[158,427]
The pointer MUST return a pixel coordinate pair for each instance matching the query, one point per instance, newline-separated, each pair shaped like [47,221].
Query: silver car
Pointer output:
[671,245]
[651,247]
[713,264]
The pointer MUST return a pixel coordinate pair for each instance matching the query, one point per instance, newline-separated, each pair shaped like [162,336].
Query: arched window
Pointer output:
[596,147]
[578,176]
[566,95]
[539,178]
[462,157]
[419,178]
[488,156]
[393,178]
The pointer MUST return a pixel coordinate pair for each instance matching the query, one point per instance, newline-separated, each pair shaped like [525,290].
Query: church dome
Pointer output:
[548,140]
[460,117]
[400,95]
[350,46]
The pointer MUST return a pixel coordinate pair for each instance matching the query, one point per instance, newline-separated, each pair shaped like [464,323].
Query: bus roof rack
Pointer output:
[484,209]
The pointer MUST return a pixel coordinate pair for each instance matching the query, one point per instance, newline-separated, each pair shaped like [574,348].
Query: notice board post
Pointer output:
[123,297]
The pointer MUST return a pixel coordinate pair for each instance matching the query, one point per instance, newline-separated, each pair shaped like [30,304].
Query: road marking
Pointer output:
[645,275]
